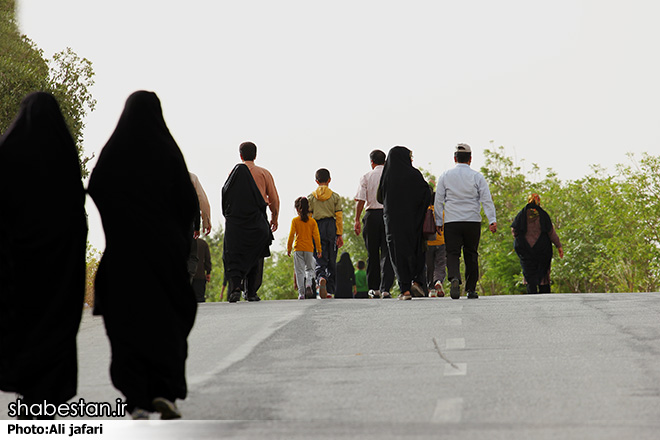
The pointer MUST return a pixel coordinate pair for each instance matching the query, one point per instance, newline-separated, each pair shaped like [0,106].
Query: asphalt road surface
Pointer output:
[580,366]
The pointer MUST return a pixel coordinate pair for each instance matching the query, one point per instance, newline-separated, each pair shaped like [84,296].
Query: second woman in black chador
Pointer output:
[405,196]
[141,184]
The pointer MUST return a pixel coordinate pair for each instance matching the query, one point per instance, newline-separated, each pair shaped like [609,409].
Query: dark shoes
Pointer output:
[455,289]
[417,291]
[235,295]
[167,409]
[253,298]
[472,295]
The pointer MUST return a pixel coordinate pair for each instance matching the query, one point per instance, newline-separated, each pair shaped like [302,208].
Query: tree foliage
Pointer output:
[23,70]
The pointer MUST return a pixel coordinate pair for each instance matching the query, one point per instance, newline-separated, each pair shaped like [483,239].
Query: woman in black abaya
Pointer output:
[405,196]
[345,277]
[42,219]
[247,230]
[141,182]
[534,236]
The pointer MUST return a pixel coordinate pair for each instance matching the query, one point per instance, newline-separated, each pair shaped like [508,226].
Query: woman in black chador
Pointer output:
[345,277]
[405,196]
[139,183]
[247,230]
[534,236]
[42,220]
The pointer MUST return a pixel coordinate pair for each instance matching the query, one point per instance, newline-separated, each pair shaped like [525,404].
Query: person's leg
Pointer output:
[371,235]
[332,265]
[453,246]
[254,279]
[440,264]
[199,287]
[430,266]
[386,268]
[299,269]
[321,269]
[544,288]
[471,255]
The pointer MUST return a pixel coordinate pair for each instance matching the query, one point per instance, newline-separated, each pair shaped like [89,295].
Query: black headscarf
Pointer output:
[405,196]
[535,260]
[345,277]
[42,219]
[247,231]
[141,184]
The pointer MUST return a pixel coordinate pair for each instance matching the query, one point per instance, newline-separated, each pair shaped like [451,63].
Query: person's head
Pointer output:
[463,154]
[377,158]
[534,199]
[248,151]
[302,206]
[361,265]
[322,176]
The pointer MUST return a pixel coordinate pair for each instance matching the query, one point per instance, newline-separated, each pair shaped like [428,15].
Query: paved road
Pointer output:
[509,367]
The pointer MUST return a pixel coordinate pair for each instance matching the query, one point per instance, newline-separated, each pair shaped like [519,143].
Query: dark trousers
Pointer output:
[254,278]
[326,265]
[252,281]
[199,287]
[463,236]
[380,274]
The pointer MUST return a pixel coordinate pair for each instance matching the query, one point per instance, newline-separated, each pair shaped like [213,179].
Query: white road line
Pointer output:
[455,343]
[455,369]
[448,411]
[245,349]
[454,321]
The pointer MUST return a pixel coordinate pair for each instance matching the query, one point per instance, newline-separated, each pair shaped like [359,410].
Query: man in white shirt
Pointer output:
[380,274]
[460,194]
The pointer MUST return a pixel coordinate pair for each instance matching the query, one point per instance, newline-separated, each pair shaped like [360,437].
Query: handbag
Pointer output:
[428,227]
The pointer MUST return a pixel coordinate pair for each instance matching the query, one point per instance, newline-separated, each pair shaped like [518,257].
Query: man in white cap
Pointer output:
[460,194]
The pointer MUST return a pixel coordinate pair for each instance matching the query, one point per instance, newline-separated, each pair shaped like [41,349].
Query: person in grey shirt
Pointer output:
[460,194]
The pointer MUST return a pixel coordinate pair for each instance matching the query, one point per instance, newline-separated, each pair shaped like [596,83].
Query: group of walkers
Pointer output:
[141,182]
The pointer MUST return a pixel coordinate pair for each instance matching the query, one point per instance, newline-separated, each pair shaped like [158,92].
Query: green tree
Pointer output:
[23,69]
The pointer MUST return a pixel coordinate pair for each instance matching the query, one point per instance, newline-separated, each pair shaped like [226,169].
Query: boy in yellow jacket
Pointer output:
[325,206]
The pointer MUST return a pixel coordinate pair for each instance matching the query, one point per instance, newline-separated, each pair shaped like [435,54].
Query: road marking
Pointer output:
[245,349]
[455,343]
[455,369]
[448,411]
[454,321]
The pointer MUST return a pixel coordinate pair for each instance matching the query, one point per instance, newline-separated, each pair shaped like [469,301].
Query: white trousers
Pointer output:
[303,264]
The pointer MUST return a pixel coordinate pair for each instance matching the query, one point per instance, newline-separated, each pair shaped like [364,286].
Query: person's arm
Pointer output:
[316,236]
[292,234]
[360,200]
[339,219]
[359,206]
[273,202]
[555,240]
[439,205]
[487,202]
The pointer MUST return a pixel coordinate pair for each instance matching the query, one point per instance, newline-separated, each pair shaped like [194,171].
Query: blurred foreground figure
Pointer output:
[43,233]
[141,183]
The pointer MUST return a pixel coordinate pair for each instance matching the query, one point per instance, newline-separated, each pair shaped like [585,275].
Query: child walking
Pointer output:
[305,232]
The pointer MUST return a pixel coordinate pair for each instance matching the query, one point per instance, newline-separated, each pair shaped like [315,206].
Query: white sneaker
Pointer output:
[374,294]
[433,293]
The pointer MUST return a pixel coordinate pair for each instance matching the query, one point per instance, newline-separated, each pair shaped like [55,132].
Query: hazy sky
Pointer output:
[563,84]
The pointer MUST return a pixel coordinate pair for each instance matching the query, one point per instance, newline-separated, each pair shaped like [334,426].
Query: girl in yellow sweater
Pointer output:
[305,231]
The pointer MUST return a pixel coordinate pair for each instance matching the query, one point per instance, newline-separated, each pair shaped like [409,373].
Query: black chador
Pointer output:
[247,231]
[43,233]
[405,196]
[142,188]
